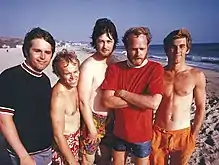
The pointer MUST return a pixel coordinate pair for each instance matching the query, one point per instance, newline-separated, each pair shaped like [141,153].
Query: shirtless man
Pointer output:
[174,134]
[64,109]
[92,74]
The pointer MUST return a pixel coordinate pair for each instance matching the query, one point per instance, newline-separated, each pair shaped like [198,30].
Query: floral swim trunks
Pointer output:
[104,125]
[73,143]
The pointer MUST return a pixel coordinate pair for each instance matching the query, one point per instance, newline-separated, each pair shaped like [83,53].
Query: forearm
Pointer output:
[64,148]
[139,100]
[115,102]
[87,116]
[198,120]
[10,133]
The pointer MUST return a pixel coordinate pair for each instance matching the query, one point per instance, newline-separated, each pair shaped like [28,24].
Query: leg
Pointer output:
[141,151]
[119,157]
[88,159]
[159,154]
[103,155]
[142,161]
[186,145]
[119,151]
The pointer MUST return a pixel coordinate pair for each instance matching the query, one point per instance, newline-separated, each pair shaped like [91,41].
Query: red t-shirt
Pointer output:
[133,124]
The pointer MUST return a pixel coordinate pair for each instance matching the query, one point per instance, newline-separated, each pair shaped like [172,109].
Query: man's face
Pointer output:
[178,50]
[137,49]
[68,73]
[104,45]
[40,54]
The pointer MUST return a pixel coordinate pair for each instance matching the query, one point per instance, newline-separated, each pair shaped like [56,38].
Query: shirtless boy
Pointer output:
[174,135]
[64,109]
[92,74]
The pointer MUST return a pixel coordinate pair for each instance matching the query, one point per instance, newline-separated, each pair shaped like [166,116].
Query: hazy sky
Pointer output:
[74,19]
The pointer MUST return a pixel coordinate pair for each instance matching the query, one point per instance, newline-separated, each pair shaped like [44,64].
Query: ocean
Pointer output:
[204,56]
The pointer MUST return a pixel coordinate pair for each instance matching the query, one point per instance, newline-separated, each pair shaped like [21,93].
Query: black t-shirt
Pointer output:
[27,98]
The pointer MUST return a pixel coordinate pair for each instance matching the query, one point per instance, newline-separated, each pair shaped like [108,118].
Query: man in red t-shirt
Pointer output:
[134,89]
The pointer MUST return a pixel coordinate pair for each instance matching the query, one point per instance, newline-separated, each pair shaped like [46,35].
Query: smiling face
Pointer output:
[40,54]
[68,73]
[137,49]
[178,51]
[104,45]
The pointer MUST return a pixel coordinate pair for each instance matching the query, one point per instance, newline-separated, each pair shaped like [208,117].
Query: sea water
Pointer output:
[204,56]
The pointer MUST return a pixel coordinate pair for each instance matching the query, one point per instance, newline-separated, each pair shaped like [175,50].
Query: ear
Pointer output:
[187,52]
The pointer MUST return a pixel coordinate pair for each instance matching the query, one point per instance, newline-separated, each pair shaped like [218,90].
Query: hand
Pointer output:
[92,137]
[119,93]
[27,160]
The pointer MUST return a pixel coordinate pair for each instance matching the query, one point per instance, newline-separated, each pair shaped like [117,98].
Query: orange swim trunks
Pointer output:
[178,144]
[73,142]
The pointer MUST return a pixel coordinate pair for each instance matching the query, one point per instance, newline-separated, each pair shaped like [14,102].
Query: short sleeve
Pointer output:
[156,82]
[6,93]
[111,79]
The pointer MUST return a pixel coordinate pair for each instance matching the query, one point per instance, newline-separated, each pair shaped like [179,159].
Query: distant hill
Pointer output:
[12,42]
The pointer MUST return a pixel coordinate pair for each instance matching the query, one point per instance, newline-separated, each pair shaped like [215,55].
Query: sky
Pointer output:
[73,20]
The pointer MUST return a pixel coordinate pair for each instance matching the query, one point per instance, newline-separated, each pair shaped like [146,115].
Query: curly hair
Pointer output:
[64,55]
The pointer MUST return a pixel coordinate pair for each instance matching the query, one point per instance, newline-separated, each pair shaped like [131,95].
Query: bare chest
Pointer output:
[99,76]
[71,104]
[181,84]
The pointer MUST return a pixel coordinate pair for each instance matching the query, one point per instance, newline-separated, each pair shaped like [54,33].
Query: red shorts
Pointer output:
[73,143]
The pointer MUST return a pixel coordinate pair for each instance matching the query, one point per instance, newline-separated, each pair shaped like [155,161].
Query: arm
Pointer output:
[112,101]
[84,90]
[140,100]
[57,113]
[9,131]
[200,99]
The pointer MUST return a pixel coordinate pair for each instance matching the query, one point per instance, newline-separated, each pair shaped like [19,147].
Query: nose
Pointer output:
[42,55]
[178,49]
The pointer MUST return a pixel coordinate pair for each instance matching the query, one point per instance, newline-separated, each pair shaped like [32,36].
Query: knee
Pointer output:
[88,159]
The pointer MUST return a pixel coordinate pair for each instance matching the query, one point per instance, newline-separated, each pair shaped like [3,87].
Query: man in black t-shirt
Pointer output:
[25,102]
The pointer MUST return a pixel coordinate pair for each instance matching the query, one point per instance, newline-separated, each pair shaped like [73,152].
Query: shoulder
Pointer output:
[58,91]
[155,66]
[11,73]
[198,75]
[88,62]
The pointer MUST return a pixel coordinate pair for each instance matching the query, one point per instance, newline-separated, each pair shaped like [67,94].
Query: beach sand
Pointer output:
[207,146]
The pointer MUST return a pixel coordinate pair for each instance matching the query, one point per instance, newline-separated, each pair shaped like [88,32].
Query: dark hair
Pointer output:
[102,26]
[64,55]
[34,34]
[176,34]
[137,31]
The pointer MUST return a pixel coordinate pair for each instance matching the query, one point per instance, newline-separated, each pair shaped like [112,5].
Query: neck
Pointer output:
[100,58]
[133,66]
[177,67]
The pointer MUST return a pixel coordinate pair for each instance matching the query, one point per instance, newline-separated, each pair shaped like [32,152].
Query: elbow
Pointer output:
[155,104]
[106,103]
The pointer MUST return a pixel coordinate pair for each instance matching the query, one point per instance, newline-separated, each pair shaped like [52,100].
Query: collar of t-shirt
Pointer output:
[133,66]
[30,70]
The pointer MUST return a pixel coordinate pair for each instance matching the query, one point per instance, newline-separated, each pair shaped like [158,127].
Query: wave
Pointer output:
[214,60]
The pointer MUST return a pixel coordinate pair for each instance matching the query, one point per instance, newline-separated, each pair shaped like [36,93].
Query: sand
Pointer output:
[207,147]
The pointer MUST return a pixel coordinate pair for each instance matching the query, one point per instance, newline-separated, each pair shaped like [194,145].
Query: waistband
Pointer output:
[32,153]
[72,134]
[179,131]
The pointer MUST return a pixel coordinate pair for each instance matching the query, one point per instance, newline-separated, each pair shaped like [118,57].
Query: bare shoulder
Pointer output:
[198,75]
[90,61]
[58,92]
